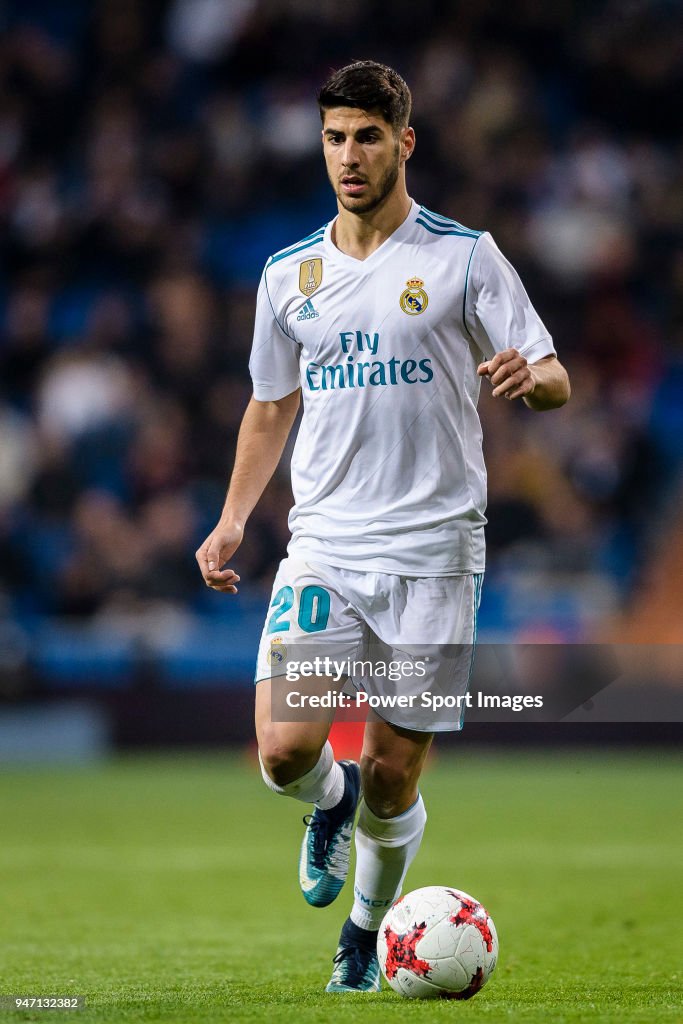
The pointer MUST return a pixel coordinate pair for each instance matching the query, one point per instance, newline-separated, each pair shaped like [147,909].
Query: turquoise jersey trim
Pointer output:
[440,221]
[304,243]
[444,230]
[467,277]
[476,600]
[281,326]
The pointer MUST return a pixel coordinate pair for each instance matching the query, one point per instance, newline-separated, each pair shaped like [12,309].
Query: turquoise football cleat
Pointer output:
[356,967]
[326,847]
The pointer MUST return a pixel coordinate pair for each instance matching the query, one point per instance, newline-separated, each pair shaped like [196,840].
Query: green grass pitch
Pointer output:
[166,889]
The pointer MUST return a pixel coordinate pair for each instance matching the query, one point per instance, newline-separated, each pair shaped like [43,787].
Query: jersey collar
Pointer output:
[398,236]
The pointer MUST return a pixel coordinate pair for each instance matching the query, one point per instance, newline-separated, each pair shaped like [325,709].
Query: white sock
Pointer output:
[323,785]
[385,849]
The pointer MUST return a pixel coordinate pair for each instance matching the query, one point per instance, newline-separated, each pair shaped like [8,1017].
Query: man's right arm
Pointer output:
[262,437]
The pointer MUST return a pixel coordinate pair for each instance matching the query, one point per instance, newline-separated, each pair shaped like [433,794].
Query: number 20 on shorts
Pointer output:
[313,612]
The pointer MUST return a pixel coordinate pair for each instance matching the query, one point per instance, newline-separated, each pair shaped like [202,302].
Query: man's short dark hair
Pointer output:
[368,85]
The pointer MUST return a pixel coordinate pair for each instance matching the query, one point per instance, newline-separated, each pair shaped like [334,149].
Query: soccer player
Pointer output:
[385,321]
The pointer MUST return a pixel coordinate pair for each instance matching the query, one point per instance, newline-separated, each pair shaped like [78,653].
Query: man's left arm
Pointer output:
[543,384]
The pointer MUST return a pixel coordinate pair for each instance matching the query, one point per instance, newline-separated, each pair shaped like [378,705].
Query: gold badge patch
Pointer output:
[414,299]
[310,275]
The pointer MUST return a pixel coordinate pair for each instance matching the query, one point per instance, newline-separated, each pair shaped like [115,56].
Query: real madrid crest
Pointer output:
[414,299]
[277,652]
[310,275]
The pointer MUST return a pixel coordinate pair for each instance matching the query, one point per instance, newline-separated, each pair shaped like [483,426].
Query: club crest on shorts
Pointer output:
[414,300]
[310,275]
[277,651]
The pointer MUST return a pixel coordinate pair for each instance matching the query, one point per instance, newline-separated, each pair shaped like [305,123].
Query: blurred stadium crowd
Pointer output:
[153,155]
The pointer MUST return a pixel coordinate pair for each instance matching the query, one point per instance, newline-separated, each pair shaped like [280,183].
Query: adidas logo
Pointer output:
[308,311]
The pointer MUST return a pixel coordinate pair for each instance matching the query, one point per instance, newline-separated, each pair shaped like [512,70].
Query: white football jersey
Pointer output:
[388,473]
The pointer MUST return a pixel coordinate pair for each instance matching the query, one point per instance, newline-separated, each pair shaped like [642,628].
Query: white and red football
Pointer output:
[437,943]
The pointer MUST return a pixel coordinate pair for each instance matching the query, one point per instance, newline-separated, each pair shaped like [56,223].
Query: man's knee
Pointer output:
[285,758]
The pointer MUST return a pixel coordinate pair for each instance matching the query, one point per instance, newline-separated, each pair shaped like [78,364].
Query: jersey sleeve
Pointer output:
[497,310]
[274,360]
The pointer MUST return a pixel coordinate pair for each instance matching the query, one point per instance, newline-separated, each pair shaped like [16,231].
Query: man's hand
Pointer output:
[263,433]
[218,547]
[509,373]
[543,385]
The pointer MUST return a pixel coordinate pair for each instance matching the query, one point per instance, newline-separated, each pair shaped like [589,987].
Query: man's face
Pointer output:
[363,156]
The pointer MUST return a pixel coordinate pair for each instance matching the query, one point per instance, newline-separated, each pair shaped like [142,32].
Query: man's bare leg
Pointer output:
[297,761]
[388,835]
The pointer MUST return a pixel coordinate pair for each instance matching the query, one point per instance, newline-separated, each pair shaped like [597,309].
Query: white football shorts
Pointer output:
[394,636]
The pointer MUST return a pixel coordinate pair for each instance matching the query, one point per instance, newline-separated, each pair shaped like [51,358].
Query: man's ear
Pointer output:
[407,143]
